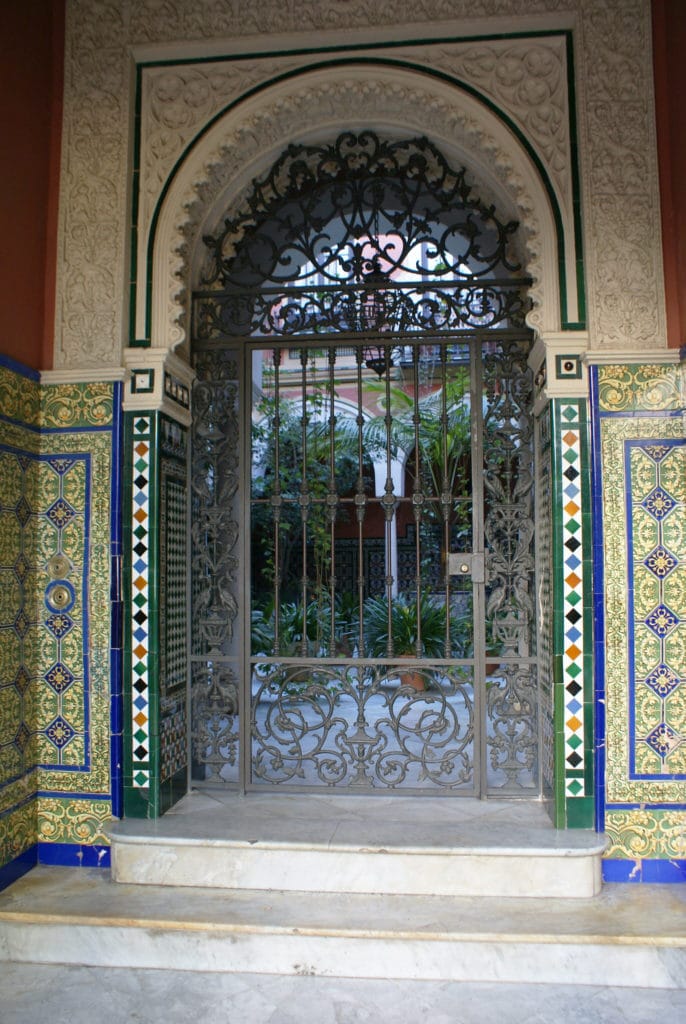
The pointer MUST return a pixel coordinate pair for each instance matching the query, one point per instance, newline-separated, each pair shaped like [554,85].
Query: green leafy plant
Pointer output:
[410,626]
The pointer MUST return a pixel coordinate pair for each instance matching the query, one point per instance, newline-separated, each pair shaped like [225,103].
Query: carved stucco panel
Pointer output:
[526,79]
[269,128]
[622,206]
[615,117]
[154,20]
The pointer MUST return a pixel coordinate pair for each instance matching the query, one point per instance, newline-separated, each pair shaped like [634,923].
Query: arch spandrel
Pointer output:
[217,172]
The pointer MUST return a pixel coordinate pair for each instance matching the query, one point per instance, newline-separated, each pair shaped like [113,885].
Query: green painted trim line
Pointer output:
[576,196]
[135,203]
[384,62]
[389,44]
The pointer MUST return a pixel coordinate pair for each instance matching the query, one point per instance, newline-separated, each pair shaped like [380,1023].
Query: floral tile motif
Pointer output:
[643,460]
[644,388]
[55,528]
[657,609]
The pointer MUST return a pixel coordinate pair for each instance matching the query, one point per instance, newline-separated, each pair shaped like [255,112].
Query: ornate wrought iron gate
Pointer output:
[362,527]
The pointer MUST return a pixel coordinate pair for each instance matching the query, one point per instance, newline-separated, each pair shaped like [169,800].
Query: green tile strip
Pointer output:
[573,639]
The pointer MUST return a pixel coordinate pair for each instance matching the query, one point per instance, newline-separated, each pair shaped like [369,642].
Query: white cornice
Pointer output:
[86,376]
[620,357]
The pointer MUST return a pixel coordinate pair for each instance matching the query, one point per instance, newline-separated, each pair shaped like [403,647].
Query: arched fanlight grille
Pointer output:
[360,237]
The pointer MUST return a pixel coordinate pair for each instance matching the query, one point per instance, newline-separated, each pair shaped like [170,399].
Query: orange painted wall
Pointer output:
[669,57]
[31,72]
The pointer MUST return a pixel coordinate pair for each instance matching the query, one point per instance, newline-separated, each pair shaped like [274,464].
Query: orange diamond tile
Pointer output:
[140,651]
[569,438]
[573,651]
[571,508]
[574,723]
[141,448]
[572,580]
[140,583]
[140,718]
[140,515]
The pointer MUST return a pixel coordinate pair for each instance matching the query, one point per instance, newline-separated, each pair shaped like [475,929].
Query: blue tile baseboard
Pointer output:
[22,864]
[665,871]
[74,855]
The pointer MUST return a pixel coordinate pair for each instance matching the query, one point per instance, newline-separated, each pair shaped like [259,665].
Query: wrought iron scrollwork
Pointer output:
[361,236]
[361,727]
[509,541]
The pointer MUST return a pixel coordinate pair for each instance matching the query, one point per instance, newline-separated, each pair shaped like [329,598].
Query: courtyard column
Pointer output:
[155,574]
[565,585]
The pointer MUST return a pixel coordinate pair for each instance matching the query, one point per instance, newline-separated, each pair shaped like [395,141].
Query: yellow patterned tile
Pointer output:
[646,592]
[70,820]
[649,387]
[675,711]
[11,480]
[675,650]
[644,835]
[673,474]
[10,538]
[648,709]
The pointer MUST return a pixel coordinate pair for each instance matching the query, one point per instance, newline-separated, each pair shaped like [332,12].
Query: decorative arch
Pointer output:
[218,169]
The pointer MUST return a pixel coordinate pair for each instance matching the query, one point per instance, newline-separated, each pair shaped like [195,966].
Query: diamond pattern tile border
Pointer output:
[572,561]
[140,604]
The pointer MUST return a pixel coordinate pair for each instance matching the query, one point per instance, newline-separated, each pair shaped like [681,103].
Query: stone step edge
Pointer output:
[595,847]
[295,953]
[161,924]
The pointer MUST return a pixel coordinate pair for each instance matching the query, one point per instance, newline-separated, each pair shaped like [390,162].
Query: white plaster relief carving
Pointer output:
[253,138]
[155,20]
[624,255]
[527,80]
[613,72]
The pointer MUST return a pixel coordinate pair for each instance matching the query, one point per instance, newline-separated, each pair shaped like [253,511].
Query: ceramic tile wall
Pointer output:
[56,546]
[641,615]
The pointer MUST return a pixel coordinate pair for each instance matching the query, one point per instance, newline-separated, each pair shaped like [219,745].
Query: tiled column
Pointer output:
[565,576]
[156,420]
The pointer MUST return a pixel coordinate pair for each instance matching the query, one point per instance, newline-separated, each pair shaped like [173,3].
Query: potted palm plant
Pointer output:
[417,630]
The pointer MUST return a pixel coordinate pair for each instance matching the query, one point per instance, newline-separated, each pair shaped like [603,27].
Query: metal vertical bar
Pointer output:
[244,365]
[446,488]
[417,497]
[277,499]
[332,499]
[304,499]
[360,501]
[478,589]
[388,501]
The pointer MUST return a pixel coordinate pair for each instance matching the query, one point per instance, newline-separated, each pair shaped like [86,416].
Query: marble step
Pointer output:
[392,846]
[626,936]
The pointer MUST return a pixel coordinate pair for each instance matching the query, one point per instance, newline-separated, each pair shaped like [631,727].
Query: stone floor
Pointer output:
[36,994]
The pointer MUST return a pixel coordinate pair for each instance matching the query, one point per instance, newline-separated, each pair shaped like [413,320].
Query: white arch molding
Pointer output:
[316,106]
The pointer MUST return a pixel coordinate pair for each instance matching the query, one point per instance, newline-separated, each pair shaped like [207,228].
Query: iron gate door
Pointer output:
[365,598]
[363,576]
